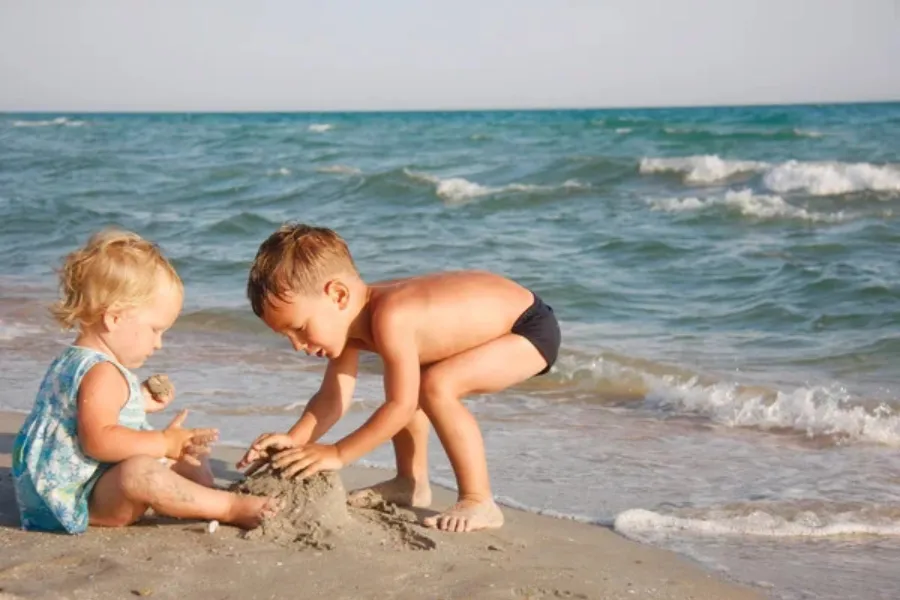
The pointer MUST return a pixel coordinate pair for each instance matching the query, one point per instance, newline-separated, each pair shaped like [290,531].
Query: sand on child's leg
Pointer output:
[201,473]
[124,493]
[410,487]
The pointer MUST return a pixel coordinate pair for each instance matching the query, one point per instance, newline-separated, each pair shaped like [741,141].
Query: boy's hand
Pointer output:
[187,444]
[308,460]
[262,449]
[158,392]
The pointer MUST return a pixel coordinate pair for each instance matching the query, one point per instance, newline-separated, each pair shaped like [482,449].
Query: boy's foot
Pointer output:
[399,490]
[468,515]
[248,512]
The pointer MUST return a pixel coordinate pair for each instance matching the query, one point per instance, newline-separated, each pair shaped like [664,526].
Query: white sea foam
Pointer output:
[339,170]
[57,122]
[459,189]
[648,525]
[747,203]
[701,169]
[11,331]
[831,178]
[815,411]
[320,127]
[814,178]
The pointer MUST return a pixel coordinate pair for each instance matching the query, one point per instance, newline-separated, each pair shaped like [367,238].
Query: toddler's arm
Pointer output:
[102,395]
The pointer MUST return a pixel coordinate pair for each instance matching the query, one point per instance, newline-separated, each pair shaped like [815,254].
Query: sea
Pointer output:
[727,281]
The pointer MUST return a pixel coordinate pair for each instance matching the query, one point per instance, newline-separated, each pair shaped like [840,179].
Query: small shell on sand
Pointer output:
[213,525]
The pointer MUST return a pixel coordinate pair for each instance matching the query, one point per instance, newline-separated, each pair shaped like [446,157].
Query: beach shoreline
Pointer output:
[532,556]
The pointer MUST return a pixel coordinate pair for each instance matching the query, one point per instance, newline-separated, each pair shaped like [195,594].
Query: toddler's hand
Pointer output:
[262,449]
[187,444]
[158,392]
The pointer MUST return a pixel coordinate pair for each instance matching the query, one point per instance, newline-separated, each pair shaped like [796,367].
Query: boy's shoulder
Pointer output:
[433,293]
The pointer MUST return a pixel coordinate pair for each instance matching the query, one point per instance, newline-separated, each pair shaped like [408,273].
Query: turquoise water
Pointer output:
[727,282]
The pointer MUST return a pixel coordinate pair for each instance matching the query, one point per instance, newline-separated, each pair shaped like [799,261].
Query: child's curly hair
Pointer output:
[296,259]
[115,269]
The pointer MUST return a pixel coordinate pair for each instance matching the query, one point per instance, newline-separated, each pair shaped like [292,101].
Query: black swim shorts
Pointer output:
[539,326]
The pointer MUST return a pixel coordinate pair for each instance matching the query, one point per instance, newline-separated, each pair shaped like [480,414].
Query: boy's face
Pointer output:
[314,323]
[133,334]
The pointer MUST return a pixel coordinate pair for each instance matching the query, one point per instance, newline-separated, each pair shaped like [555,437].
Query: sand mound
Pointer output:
[315,513]
[313,509]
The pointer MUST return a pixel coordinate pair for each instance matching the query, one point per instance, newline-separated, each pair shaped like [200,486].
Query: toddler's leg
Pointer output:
[410,487]
[201,473]
[124,493]
[488,368]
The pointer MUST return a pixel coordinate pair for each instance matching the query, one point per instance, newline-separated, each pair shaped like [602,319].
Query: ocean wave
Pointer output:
[814,178]
[748,204]
[816,411]
[459,190]
[701,169]
[828,414]
[698,133]
[11,331]
[771,520]
[831,178]
[57,122]
[320,127]
[339,170]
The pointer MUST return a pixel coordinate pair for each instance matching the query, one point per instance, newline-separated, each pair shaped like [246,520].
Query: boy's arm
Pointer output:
[102,394]
[323,410]
[396,344]
[332,400]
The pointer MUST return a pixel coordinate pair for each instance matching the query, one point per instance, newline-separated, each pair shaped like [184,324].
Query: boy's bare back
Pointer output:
[447,313]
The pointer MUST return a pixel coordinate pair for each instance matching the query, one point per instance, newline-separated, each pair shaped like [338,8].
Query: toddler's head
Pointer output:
[120,288]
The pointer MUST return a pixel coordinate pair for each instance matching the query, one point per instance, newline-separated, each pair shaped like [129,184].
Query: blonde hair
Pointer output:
[115,269]
[296,258]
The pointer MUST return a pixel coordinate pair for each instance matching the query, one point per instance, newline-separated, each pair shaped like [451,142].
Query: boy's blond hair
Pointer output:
[115,269]
[297,258]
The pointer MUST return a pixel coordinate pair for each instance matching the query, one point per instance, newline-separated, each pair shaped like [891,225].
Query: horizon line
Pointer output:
[446,110]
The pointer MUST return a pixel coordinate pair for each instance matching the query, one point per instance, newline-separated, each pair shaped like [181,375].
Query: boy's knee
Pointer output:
[434,389]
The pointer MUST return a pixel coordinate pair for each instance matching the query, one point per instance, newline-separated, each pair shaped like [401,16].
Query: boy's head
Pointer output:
[300,285]
[121,287]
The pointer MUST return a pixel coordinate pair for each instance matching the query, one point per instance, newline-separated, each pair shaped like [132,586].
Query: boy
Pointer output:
[441,337]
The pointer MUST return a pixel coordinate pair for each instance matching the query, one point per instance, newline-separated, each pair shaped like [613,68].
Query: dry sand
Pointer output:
[351,553]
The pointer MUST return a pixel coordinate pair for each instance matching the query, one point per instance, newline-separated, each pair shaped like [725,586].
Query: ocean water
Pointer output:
[727,280]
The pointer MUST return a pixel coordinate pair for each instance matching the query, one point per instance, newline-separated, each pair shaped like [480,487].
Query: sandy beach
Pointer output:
[532,557]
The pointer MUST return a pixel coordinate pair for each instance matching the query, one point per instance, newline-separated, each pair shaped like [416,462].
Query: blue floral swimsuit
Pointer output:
[53,477]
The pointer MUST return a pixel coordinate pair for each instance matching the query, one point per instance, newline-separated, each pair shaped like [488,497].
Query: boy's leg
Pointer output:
[125,491]
[492,367]
[410,487]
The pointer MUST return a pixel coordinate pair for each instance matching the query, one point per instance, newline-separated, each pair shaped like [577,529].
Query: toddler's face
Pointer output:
[138,331]
[315,324]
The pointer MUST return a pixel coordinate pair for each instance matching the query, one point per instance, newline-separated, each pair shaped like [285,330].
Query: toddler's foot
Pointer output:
[248,512]
[468,515]
[399,490]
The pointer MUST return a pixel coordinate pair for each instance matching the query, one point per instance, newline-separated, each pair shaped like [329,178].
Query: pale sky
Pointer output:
[95,55]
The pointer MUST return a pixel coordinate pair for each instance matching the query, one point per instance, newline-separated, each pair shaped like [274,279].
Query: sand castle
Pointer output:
[315,513]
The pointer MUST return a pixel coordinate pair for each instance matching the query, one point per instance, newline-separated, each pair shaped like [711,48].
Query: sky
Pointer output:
[299,55]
